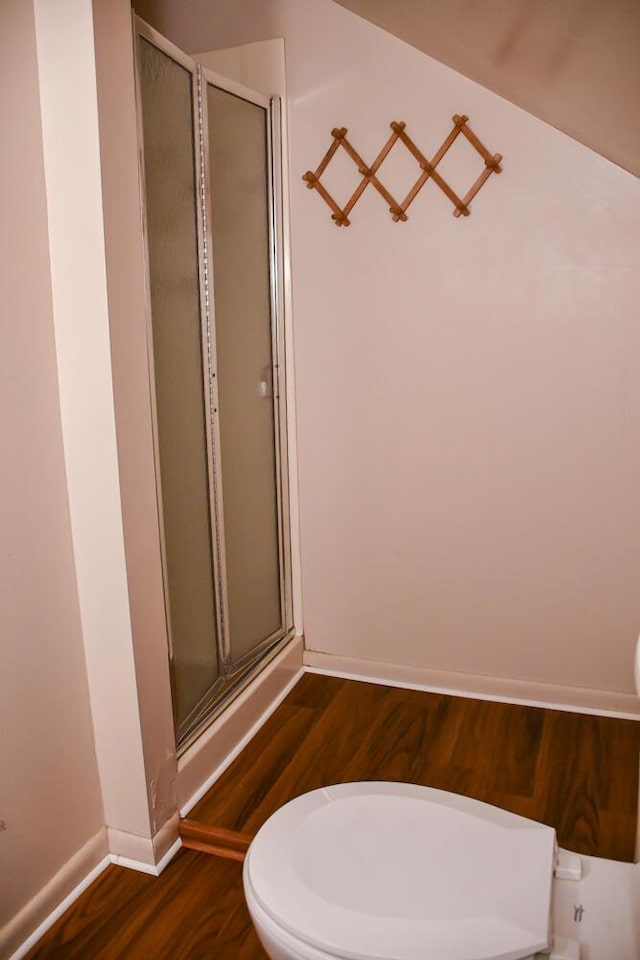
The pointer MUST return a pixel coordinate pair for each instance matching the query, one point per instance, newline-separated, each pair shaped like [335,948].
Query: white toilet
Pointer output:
[395,871]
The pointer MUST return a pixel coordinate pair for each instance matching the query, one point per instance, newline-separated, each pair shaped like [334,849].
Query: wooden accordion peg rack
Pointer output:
[369,174]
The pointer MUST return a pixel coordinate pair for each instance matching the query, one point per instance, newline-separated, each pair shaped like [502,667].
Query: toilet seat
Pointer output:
[394,871]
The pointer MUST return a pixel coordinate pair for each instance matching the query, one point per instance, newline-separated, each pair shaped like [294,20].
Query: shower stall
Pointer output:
[211,190]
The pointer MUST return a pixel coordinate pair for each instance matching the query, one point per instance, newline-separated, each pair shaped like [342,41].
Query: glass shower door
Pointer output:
[243,253]
[167,97]
[211,208]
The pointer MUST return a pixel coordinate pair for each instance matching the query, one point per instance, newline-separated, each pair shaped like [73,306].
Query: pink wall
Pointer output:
[573,64]
[468,414]
[51,798]
[469,418]
[124,253]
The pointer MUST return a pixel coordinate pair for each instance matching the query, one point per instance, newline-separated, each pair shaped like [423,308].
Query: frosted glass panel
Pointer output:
[242,310]
[170,184]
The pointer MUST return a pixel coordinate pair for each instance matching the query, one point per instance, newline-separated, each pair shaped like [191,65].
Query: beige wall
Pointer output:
[469,414]
[81,319]
[131,390]
[87,699]
[49,793]
[468,411]
[573,63]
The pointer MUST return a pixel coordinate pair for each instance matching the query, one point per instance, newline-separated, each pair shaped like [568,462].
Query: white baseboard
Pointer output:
[152,869]
[129,847]
[41,912]
[605,703]
[142,853]
[111,846]
[209,757]
[107,847]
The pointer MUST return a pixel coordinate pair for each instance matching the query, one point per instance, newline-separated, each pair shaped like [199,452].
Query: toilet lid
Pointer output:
[393,871]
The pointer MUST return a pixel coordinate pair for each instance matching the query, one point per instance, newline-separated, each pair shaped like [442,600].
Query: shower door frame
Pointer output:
[232,677]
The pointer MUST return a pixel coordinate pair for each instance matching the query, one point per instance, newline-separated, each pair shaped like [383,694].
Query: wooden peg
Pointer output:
[475,142]
[397,213]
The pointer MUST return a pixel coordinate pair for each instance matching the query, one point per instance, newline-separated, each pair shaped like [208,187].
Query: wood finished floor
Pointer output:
[194,910]
[578,773]
[575,772]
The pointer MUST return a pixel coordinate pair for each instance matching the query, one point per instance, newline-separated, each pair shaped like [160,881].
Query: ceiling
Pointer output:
[573,63]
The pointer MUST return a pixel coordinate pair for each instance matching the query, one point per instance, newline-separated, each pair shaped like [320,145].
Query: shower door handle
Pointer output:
[265,386]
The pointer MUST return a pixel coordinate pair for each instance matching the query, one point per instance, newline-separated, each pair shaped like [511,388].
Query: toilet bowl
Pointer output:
[395,871]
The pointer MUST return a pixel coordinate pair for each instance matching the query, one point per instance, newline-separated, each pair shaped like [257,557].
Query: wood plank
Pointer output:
[262,761]
[473,756]
[621,749]
[238,939]
[578,768]
[243,785]
[341,732]
[315,692]
[517,746]
[496,750]
[396,739]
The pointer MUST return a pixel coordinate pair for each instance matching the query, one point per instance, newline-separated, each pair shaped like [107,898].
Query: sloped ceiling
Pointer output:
[573,63]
